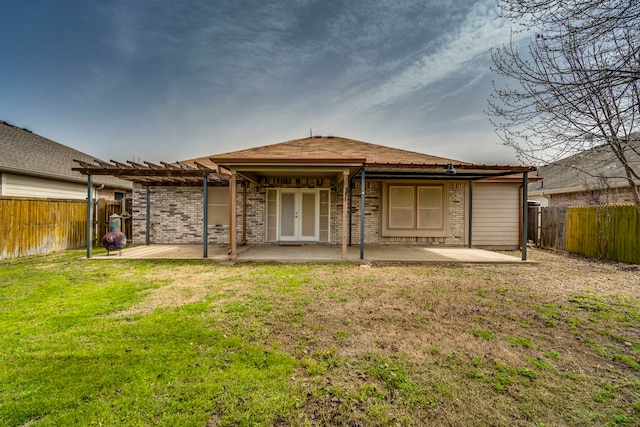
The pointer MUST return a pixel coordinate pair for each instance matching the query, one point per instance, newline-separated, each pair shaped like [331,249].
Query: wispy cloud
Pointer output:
[244,72]
[481,29]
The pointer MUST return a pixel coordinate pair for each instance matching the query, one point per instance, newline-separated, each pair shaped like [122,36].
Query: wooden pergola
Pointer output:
[184,174]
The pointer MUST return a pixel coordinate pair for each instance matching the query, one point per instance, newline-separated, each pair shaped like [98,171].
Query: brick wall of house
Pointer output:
[110,193]
[335,223]
[593,198]
[373,217]
[177,214]
[176,217]
[372,213]
[456,214]
[255,218]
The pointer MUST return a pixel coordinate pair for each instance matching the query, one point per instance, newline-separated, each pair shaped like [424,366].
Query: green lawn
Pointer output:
[193,343]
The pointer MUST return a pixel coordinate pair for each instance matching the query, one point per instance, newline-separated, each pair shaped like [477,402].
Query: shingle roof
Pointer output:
[313,156]
[333,148]
[24,152]
[584,169]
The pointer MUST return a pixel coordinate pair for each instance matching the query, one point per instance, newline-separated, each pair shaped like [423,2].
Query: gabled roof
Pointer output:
[584,170]
[377,161]
[330,148]
[24,152]
[313,157]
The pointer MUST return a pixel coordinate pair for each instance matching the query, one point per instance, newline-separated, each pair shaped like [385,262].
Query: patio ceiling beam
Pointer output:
[136,165]
[185,166]
[146,171]
[421,176]
[169,166]
[166,174]
[440,166]
[122,165]
[153,166]
[202,167]
[251,176]
[435,175]
[106,165]
[142,172]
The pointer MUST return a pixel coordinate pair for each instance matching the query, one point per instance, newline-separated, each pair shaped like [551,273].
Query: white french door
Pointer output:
[298,214]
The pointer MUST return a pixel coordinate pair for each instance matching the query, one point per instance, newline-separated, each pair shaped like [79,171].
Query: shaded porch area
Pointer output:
[319,253]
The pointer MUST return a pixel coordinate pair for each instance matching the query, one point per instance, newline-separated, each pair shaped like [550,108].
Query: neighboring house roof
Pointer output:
[23,152]
[585,170]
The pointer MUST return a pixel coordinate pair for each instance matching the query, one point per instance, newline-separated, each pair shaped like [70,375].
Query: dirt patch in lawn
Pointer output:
[178,286]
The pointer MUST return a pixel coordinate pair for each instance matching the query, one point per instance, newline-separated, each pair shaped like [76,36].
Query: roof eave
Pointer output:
[575,189]
[78,180]
[234,161]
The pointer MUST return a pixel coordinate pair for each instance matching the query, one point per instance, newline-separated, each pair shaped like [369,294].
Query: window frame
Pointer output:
[212,203]
[414,230]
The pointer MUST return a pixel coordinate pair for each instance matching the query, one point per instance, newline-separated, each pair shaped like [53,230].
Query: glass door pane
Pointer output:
[309,216]
[272,215]
[287,215]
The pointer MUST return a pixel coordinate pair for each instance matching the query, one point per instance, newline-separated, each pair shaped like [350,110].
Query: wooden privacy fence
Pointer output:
[40,226]
[552,227]
[611,232]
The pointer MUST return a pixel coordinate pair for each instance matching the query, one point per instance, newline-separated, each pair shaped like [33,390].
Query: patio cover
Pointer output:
[346,159]
[317,156]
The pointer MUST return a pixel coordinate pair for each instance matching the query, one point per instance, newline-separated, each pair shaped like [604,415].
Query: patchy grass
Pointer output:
[194,343]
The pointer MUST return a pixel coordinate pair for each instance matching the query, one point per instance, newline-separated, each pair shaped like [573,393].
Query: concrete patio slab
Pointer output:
[318,253]
[215,253]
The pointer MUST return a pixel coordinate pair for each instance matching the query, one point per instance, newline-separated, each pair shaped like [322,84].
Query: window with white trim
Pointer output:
[414,210]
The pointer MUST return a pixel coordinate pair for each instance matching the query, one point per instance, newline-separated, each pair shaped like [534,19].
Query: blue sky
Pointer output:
[172,80]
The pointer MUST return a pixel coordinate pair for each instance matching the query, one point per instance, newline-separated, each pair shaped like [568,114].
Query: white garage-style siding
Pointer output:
[496,215]
[30,186]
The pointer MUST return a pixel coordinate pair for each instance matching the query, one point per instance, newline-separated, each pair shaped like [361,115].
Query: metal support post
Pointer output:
[205,219]
[148,225]
[362,183]
[89,215]
[525,213]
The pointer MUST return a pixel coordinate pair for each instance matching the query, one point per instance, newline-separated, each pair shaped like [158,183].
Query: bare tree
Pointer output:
[577,81]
